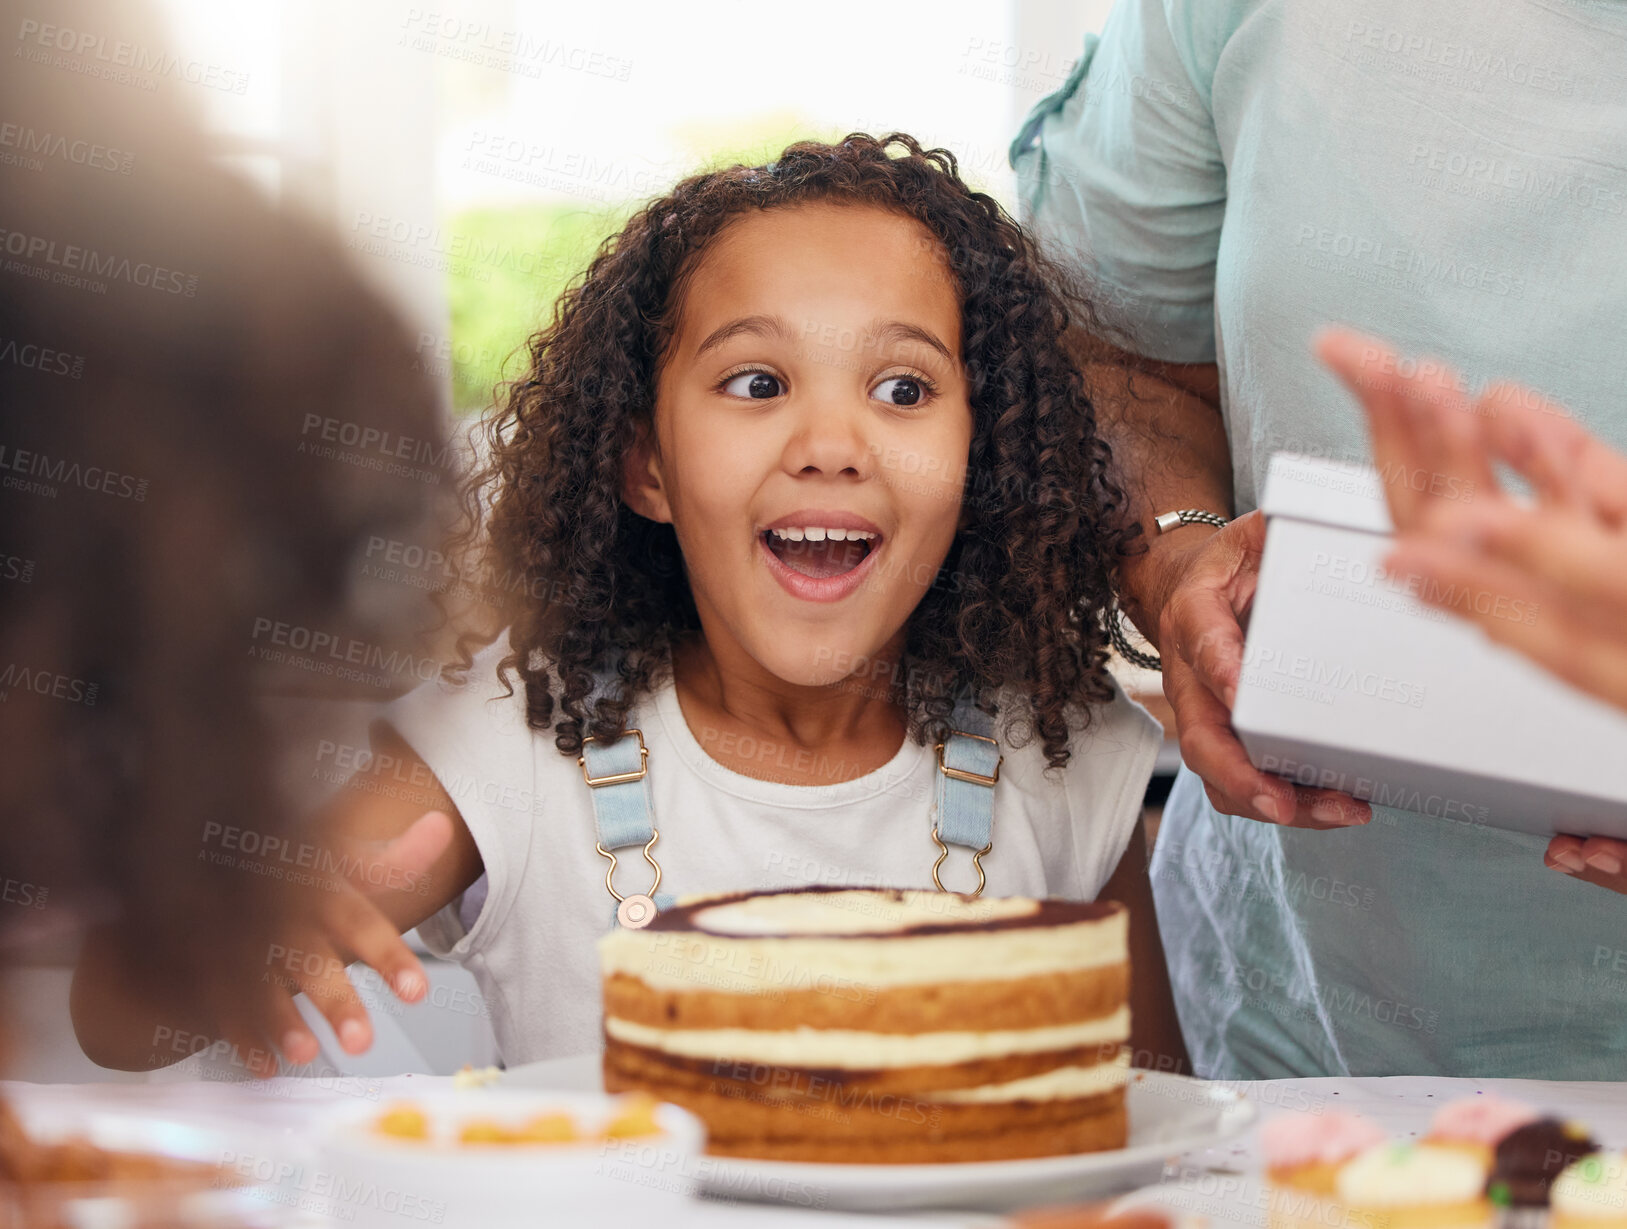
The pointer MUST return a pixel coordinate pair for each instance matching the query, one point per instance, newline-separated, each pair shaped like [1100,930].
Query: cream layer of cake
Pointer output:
[837,1047]
[860,945]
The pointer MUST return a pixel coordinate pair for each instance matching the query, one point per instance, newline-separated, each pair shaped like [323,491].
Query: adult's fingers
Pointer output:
[1565,464]
[1527,614]
[1564,853]
[1328,808]
[1426,445]
[1568,555]
[1199,623]
[1202,645]
[1596,860]
[1246,537]
[1569,550]
[1200,629]
[1607,856]
[1360,362]
[1210,748]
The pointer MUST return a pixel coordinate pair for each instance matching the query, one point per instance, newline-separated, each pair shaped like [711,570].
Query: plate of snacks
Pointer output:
[107,1165]
[1484,1162]
[494,1157]
[880,1049]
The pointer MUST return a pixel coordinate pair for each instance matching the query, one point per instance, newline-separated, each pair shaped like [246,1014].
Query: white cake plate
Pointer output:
[1169,1115]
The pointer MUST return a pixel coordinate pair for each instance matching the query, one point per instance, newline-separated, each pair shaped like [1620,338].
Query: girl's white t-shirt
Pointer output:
[531,947]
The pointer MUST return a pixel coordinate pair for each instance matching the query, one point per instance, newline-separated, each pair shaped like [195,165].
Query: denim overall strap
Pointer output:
[968,767]
[617,777]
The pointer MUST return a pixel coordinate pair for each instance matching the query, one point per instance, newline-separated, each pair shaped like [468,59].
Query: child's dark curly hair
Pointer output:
[1019,600]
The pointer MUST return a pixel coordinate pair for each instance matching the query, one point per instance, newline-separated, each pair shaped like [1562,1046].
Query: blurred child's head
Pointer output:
[849,339]
[162,503]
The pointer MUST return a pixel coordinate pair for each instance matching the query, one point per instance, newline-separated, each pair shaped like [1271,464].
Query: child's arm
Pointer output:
[1155,1033]
[382,860]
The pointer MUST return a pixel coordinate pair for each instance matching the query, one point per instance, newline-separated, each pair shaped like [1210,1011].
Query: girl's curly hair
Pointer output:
[1017,606]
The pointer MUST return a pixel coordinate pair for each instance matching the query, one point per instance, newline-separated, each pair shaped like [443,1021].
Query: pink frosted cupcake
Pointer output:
[1303,1152]
[1476,1125]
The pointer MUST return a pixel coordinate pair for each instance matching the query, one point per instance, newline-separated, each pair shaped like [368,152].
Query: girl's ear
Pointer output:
[643,488]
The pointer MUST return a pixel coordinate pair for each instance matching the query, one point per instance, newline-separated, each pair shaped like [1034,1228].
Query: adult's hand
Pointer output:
[1561,558]
[1200,639]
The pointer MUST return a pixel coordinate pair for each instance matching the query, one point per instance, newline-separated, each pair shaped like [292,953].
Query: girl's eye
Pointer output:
[900,390]
[758,385]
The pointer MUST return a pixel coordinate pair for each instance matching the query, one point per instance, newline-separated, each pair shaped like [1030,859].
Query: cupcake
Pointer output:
[1477,1124]
[1529,1160]
[1415,1186]
[1592,1193]
[1303,1153]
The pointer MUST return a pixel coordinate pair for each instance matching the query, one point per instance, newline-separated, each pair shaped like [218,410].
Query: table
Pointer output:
[1221,1184]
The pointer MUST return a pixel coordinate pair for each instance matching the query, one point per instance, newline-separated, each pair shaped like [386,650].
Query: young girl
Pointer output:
[801,483]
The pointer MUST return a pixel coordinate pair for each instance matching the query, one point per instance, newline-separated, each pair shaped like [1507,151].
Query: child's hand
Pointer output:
[1594,859]
[339,920]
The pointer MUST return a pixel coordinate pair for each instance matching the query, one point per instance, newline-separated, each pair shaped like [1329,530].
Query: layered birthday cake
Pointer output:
[877,1025]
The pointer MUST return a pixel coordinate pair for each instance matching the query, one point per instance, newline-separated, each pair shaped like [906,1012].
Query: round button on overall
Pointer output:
[636,911]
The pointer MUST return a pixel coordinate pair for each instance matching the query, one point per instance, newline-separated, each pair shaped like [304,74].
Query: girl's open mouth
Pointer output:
[818,552]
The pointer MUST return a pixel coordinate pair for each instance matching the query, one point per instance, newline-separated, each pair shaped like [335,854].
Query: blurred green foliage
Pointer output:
[523,258]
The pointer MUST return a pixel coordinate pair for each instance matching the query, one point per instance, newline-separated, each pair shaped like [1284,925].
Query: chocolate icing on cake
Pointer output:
[1048,912]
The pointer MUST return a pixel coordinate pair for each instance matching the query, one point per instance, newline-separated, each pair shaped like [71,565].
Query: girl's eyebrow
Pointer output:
[877,332]
[762,326]
[898,330]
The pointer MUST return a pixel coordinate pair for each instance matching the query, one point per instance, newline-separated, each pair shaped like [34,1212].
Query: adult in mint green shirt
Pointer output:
[1233,174]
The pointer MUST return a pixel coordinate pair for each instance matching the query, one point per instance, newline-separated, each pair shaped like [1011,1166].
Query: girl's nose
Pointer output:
[831,440]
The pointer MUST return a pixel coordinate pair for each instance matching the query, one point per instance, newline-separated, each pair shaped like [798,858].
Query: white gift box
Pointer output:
[1350,682]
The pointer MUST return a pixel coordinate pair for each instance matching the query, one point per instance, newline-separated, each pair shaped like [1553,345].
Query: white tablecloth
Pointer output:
[1221,1184]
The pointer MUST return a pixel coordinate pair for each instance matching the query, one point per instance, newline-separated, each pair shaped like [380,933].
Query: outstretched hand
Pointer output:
[1549,573]
[338,918]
